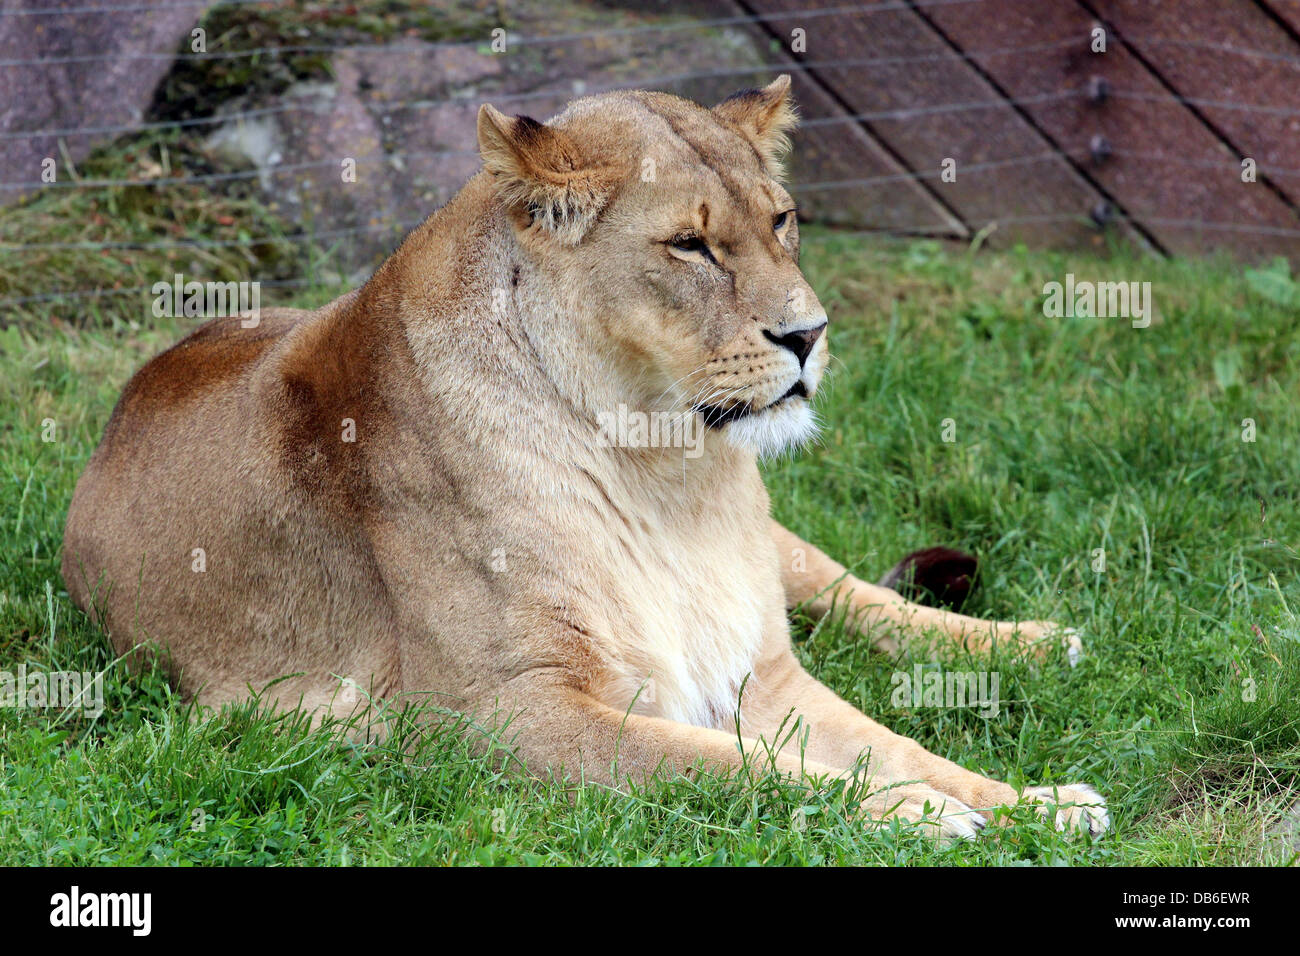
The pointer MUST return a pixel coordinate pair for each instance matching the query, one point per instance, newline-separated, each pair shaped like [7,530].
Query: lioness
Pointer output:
[409,489]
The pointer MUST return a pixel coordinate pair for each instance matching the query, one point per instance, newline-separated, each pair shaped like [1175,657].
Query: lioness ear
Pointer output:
[765,117]
[541,171]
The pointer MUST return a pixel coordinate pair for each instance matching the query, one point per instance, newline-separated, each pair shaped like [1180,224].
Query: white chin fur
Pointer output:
[775,430]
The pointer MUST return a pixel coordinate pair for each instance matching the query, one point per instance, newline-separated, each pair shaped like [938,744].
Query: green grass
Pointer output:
[1071,435]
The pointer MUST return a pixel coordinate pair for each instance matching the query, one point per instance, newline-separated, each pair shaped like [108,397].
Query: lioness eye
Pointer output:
[693,245]
[689,243]
[780,221]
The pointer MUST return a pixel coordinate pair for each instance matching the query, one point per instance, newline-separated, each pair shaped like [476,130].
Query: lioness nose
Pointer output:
[800,343]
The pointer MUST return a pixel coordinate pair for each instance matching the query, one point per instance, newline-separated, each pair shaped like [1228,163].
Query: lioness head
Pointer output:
[700,310]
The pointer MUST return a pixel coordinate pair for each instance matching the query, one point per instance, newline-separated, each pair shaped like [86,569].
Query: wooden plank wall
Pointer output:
[1054,143]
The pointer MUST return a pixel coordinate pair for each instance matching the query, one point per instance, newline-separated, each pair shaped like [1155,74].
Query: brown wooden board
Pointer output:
[1166,166]
[832,154]
[1288,11]
[1241,69]
[844,176]
[905,80]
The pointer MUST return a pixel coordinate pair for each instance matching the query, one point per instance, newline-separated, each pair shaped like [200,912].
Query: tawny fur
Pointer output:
[476,544]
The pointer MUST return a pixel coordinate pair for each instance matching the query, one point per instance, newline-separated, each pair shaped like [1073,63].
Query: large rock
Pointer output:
[78,70]
[356,154]
[405,113]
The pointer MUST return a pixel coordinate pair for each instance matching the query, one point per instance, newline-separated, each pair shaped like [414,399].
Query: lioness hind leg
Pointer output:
[351,709]
[817,581]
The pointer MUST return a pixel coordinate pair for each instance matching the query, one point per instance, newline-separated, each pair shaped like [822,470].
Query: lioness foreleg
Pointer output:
[557,728]
[817,581]
[837,733]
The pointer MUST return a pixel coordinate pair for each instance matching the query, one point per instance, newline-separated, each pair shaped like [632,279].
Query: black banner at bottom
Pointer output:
[342,906]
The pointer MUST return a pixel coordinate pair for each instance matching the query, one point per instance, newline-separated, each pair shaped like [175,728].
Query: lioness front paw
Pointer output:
[1042,637]
[1076,807]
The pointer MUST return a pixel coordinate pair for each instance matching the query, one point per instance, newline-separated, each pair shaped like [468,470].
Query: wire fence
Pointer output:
[655,82]
[516,40]
[648,82]
[1085,163]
